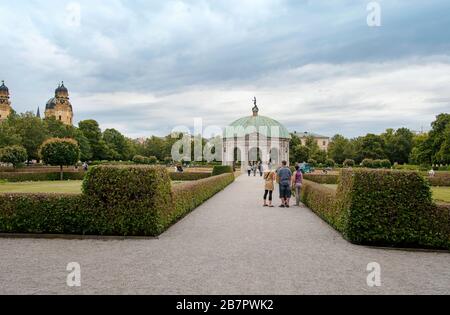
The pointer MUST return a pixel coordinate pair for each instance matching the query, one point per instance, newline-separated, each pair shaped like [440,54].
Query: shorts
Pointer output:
[285,191]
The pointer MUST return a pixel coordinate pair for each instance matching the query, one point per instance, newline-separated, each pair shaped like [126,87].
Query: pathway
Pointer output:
[229,245]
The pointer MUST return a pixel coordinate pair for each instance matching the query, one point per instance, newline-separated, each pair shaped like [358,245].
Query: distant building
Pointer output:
[5,104]
[60,106]
[322,141]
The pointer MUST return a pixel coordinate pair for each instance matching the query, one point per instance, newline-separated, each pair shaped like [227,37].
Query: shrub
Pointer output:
[392,208]
[349,163]
[385,163]
[60,152]
[368,163]
[15,155]
[188,196]
[312,162]
[188,176]
[221,169]
[439,179]
[128,200]
[322,178]
[376,164]
[330,163]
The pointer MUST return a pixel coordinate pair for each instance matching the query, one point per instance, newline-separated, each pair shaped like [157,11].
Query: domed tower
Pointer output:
[5,104]
[60,106]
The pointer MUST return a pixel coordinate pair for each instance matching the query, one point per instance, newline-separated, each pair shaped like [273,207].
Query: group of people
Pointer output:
[255,168]
[289,183]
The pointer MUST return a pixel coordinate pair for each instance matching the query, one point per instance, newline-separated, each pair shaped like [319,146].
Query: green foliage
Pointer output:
[368,163]
[139,159]
[439,179]
[312,162]
[382,207]
[385,163]
[128,201]
[299,154]
[330,163]
[349,163]
[339,149]
[60,152]
[322,178]
[15,155]
[221,169]
[188,176]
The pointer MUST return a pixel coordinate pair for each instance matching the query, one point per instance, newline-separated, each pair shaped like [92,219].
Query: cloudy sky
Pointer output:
[144,67]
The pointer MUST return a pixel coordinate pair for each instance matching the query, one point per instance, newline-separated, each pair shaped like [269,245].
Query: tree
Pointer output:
[93,134]
[372,147]
[443,154]
[60,152]
[15,155]
[398,145]
[8,135]
[299,154]
[422,151]
[338,149]
[117,143]
[437,138]
[32,132]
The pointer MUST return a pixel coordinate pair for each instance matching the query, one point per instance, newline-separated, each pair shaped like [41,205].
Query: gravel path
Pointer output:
[229,245]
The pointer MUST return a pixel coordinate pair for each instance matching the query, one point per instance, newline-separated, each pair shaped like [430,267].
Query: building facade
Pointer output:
[322,141]
[60,106]
[255,139]
[5,103]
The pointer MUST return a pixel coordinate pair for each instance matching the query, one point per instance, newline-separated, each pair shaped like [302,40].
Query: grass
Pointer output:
[439,193]
[68,187]
[56,187]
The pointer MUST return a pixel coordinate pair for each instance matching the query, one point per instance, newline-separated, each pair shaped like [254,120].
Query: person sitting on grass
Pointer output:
[284,177]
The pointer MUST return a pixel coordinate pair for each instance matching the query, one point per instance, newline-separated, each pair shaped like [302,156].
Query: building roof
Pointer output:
[310,134]
[261,124]
[51,103]
[61,88]
[4,88]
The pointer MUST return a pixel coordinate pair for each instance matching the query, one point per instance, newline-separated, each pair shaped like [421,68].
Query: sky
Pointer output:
[145,67]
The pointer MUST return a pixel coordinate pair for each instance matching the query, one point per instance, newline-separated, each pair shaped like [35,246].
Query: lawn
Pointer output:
[439,193]
[68,187]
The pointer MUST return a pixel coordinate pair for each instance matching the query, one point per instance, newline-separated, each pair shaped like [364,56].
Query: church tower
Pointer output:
[60,106]
[5,104]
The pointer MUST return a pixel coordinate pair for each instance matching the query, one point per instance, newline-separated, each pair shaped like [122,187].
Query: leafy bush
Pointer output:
[115,201]
[385,163]
[382,207]
[188,196]
[330,163]
[322,178]
[376,164]
[221,169]
[368,163]
[349,163]
[392,208]
[312,162]
[322,200]
[15,155]
[189,176]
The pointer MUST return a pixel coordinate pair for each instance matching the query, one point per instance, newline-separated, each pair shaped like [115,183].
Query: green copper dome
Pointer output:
[256,123]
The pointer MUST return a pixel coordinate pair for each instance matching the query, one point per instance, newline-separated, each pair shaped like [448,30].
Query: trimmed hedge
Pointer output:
[35,177]
[322,178]
[128,201]
[188,196]
[382,207]
[189,176]
[222,169]
[439,179]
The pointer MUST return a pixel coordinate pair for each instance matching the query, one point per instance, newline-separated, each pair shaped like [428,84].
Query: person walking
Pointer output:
[255,168]
[284,178]
[297,182]
[269,179]
[249,170]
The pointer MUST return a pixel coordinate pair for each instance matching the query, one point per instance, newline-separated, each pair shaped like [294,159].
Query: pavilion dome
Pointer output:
[51,103]
[257,123]
[4,88]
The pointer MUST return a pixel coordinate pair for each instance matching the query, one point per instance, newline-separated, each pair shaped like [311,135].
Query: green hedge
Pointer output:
[35,177]
[382,207]
[189,176]
[128,201]
[188,196]
[322,178]
[439,179]
[221,169]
